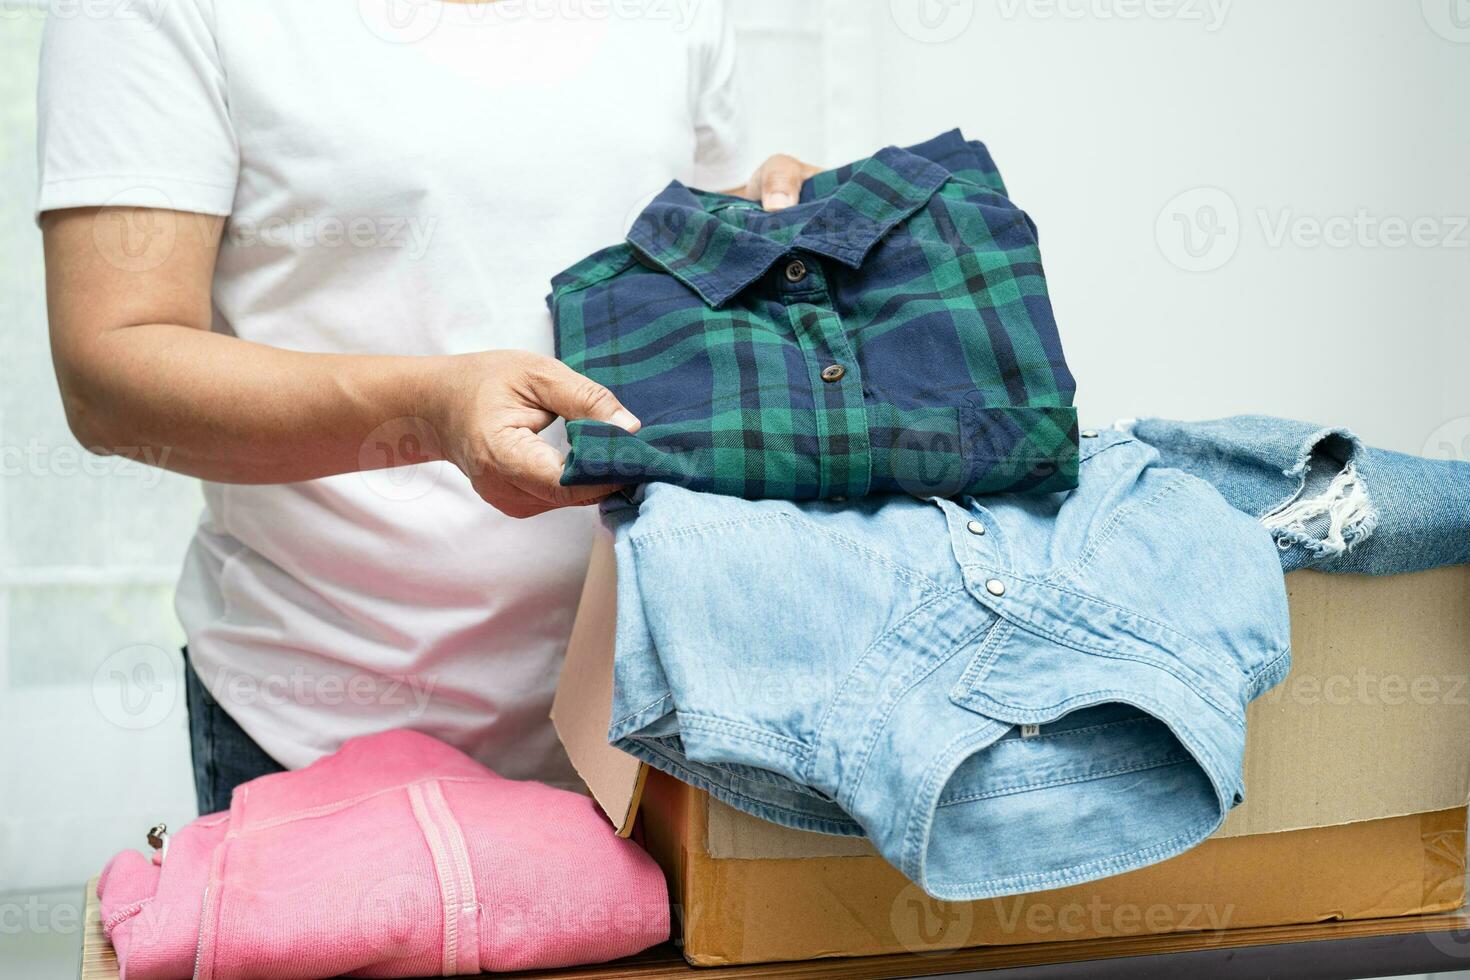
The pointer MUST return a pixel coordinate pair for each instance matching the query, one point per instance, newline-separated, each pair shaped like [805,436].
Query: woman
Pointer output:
[290,246]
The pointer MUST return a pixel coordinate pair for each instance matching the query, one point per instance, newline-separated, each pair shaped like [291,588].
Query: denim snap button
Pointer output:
[975,527]
[995,587]
[1089,433]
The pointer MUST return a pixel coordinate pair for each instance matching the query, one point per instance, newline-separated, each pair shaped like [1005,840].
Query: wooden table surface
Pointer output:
[1362,948]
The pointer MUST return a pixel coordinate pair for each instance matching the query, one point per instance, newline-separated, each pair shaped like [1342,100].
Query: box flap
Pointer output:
[582,707]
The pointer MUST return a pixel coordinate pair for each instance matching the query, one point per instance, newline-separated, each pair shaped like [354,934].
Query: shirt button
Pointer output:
[833,372]
[995,587]
[1089,433]
[795,270]
[975,527]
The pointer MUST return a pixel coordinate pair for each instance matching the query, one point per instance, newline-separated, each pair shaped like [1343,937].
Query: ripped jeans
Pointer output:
[1330,502]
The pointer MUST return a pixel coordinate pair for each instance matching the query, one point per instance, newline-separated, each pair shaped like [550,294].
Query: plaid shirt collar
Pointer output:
[687,233]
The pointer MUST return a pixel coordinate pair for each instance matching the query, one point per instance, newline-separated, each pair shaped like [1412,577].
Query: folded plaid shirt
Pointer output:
[890,332]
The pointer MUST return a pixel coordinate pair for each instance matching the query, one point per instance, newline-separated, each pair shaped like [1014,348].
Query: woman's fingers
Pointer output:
[530,465]
[562,391]
[777,182]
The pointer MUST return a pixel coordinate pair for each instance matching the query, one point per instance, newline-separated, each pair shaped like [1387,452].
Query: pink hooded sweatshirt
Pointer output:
[397,856]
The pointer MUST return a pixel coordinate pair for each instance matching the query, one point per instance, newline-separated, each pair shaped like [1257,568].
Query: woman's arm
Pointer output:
[142,375]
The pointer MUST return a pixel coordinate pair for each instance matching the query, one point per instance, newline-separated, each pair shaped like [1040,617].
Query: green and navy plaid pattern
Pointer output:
[891,332]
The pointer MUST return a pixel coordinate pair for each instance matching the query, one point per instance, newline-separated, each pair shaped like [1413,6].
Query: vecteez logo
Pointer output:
[401,21]
[137,687]
[148,12]
[1450,19]
[923,923]
[1450,441]
[1210,14]
[1199,230]
[932,21]
[1362,229]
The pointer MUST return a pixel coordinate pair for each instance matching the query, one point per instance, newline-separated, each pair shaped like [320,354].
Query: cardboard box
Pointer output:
[1357,777]
[752,910]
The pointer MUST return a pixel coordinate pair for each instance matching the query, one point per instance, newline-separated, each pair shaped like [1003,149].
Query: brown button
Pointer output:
[833,372]
[795,270]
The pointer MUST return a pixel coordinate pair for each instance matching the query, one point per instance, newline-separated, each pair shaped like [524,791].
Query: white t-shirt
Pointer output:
[401,177]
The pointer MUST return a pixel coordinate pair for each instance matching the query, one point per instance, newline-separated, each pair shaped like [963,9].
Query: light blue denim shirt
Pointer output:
[1005,694]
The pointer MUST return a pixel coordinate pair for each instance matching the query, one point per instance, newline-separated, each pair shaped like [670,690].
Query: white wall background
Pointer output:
[1121,126]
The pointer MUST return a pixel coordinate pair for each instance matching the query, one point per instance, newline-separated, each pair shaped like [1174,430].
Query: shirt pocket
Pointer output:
[1017,448]
[1037,674]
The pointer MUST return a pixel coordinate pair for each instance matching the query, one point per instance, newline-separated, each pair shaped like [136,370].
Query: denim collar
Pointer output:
[717,259]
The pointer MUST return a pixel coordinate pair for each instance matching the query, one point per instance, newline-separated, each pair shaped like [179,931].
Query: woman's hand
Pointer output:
[486,409]
[777,182]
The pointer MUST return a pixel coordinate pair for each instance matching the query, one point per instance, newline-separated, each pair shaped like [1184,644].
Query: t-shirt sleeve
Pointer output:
[132,111]
[721,156]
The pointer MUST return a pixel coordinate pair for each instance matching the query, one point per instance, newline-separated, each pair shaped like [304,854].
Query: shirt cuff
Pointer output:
[130,191]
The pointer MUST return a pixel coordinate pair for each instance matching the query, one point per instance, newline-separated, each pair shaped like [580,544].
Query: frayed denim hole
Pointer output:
[1332,511]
